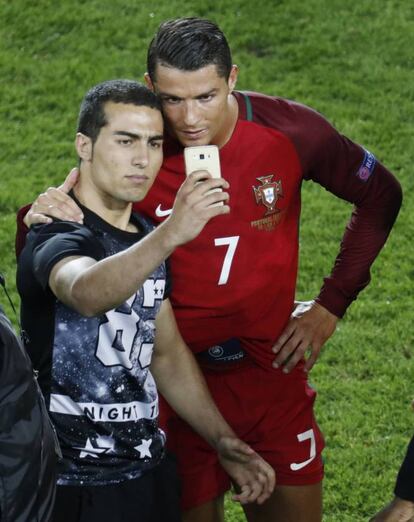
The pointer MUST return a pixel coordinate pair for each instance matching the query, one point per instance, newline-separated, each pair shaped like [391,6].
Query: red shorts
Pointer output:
[270,411]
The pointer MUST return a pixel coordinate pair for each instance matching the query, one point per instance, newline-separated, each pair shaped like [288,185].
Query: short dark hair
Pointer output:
[92,114]
[189,44]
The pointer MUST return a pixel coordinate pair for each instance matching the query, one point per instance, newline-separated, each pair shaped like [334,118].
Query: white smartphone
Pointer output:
[203,157]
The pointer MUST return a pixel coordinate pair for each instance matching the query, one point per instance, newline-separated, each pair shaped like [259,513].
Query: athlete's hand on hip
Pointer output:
[253,477]
[55,203]
[195,204]
[309,327]
[398,510]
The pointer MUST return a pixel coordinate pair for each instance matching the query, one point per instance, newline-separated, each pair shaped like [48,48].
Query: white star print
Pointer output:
[143,448]
[91,450]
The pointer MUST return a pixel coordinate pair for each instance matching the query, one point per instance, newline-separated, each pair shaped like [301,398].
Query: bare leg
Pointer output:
[212,511]
[289,504]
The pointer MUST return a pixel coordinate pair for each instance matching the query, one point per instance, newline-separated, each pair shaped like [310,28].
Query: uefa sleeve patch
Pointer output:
[367,166]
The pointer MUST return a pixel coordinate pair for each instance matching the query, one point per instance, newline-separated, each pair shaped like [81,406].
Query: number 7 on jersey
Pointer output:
[231,242]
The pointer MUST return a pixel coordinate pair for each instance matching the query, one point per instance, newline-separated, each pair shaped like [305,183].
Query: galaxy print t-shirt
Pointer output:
[94,372]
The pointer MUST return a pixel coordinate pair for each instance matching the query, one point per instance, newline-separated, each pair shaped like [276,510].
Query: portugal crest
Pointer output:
[268,193]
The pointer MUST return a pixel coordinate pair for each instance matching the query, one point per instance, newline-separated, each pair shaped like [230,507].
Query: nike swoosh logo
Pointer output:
[159,212]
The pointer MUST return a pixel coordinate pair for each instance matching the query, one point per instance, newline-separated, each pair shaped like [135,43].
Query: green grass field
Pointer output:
[352,61]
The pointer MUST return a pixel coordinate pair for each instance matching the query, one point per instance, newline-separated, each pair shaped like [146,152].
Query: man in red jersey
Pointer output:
[234,285]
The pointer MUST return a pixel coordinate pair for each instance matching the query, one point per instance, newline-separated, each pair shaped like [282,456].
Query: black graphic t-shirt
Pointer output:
[94,372]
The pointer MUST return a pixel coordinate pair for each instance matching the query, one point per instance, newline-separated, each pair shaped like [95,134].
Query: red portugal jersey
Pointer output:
[237,279]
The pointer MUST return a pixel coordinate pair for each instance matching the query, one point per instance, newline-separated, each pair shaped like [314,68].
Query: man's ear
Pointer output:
[83,146]
[148,81]
[233,77]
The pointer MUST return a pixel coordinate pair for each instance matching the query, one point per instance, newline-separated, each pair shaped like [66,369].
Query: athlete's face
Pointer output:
[127,155]
[197,104]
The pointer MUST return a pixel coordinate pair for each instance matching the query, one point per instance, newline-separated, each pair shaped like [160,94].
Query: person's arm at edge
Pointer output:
[401,508]
[404,487]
